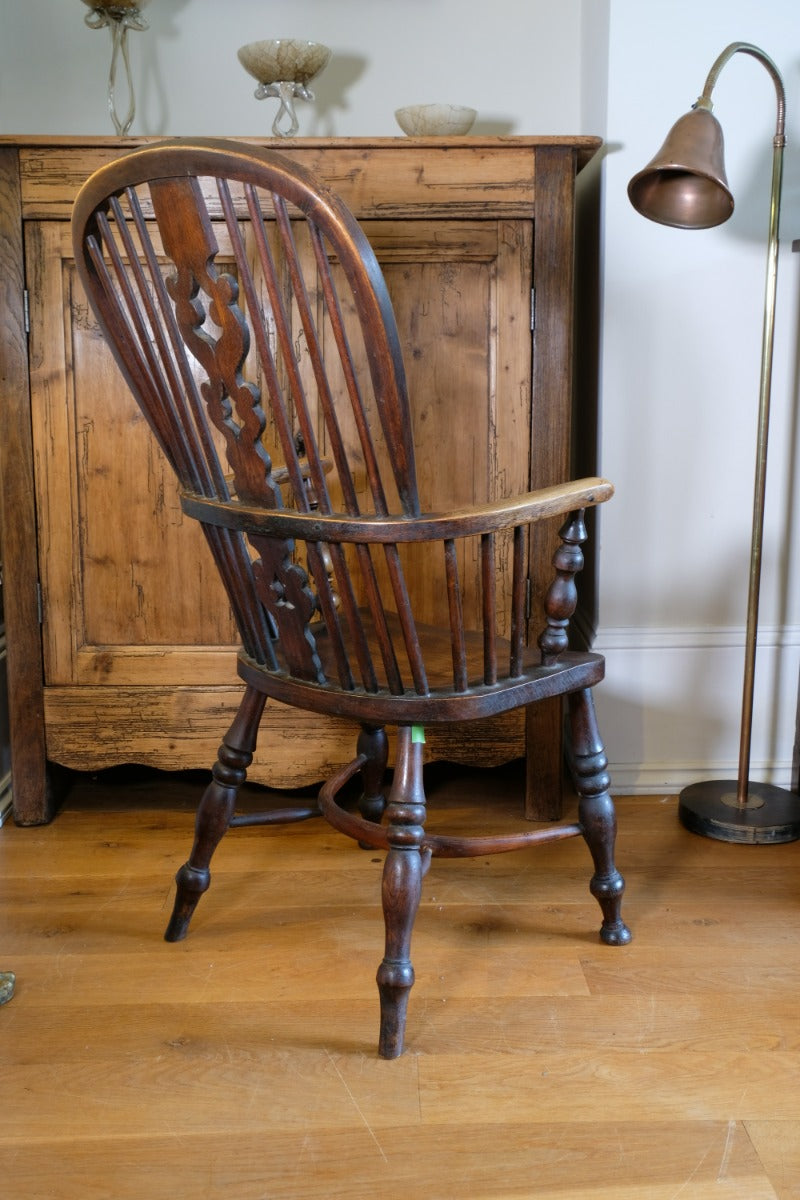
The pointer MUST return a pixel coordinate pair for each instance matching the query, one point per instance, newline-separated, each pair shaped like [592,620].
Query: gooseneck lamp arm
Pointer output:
[764,393]
[685,186]
[747,48]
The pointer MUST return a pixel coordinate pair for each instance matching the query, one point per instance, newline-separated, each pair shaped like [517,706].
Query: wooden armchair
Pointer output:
[277,391]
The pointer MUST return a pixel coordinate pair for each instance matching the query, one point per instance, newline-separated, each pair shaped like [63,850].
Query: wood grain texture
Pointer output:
[21,600]
[551,416]
[453,225]
[295,747]
[539,1064]
[377,177]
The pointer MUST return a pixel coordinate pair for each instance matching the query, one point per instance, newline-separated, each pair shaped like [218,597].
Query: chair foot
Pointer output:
[597,816]
[607,885]
[190,883]
[192,880]
[395,981]
[402,888]
[215,811]
[608,890]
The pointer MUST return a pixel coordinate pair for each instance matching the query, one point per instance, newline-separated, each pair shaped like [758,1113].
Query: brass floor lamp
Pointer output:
[685,186]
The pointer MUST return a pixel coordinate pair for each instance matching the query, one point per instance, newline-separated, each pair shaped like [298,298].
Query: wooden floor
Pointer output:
[540,1063]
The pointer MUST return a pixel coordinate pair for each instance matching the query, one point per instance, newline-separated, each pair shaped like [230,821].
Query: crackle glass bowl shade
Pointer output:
[425,120]
[283,59]
[122,6]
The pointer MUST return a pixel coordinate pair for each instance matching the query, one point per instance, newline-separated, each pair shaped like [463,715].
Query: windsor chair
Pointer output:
[276,389]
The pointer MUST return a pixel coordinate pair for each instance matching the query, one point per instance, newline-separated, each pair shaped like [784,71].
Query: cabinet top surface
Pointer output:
[385,176]
[584,145]
[587,142]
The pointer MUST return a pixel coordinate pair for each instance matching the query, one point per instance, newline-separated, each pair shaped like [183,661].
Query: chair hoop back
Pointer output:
[321,422]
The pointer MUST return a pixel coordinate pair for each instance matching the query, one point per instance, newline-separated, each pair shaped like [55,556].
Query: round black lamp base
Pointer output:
[771,814]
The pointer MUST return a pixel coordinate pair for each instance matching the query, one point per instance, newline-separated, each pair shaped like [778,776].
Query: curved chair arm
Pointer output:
[479,519]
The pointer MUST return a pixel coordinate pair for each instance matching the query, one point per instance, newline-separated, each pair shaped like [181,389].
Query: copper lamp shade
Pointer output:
[685,184]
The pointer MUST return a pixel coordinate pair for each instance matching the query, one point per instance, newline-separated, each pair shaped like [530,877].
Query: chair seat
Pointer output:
[573,671]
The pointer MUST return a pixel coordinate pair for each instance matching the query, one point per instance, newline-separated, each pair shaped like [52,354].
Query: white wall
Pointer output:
[682,311]
[681,352]
[53,69]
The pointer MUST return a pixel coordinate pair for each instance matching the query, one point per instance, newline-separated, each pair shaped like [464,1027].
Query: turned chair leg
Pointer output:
[596,815]
[215,810]
[374,745]
[405,866]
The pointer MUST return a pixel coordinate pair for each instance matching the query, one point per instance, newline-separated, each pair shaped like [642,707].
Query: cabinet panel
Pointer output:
[129,590]
[130,595]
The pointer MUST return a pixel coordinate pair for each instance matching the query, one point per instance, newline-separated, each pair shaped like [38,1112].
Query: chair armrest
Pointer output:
[464,522]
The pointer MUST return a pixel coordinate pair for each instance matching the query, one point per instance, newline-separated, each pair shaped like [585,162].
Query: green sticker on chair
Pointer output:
[417,734]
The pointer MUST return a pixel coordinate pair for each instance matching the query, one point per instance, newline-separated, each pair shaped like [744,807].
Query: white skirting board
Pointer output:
[670,707]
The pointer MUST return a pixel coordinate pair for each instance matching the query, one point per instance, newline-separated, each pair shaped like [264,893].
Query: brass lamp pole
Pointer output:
[685,186]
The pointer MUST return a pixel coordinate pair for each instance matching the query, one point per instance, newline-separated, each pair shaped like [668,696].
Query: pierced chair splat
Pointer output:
[249,315]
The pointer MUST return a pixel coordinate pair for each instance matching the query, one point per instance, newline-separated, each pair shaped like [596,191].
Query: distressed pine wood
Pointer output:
[34,797]
[84,721]
[550,434]
[102,629]
[376,177]
[671,1073]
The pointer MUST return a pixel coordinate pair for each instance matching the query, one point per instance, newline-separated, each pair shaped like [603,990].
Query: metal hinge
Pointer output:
[26,310]
[533,309]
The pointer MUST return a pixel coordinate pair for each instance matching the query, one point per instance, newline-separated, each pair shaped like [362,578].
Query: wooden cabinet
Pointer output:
[5,740]
[120,639]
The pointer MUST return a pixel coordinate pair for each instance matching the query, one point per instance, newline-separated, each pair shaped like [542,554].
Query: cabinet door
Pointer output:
[461,293]
[130,594]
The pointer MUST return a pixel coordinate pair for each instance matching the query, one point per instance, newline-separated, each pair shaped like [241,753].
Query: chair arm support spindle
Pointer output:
[562,595]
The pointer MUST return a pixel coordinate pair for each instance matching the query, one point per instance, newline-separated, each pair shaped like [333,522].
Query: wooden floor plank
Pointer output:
[702,1160]
[673,1085]
[242,1061]
[34,1032]
[778,1146]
